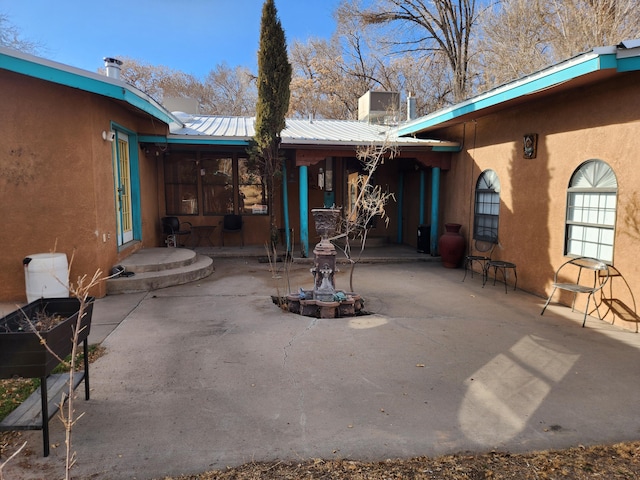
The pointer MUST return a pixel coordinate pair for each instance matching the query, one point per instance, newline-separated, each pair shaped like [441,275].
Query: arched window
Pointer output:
[591,211]
[487,208]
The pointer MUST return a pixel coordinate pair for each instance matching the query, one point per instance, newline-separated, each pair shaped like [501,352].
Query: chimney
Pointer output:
[112,65]
[411,107]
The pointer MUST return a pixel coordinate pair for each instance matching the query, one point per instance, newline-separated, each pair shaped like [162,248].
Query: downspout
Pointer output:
[304,210]
[285,200]
[435,205]
[400,206]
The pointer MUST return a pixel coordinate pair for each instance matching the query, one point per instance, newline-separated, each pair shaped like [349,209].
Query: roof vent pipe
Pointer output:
[411,107]
[112,65]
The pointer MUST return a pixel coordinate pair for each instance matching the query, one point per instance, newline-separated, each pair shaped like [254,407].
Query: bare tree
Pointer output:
[225,90]
[11,37]
[515,42]
[580,25]
[523,36]
[232,91]
[436,28]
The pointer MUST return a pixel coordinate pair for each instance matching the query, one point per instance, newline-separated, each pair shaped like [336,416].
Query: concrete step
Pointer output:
[158,259]
[155,268]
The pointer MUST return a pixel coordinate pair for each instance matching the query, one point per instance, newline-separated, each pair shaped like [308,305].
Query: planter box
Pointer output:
[23,354]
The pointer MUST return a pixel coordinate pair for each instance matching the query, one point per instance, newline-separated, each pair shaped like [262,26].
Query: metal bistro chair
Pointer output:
[172,228]
[484,249]
[232,224]
[573,269]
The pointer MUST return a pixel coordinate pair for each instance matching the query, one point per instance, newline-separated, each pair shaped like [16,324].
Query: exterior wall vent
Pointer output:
[112,66]
[380,108]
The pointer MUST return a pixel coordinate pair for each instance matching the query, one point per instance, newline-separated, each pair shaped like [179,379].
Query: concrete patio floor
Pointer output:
[212,374]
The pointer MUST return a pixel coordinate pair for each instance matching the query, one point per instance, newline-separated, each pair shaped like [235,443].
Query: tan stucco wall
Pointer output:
[56,179]
[600,122]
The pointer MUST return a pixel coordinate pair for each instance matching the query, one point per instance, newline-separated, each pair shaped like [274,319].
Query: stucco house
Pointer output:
[546,162]
[89,165]
[550,163]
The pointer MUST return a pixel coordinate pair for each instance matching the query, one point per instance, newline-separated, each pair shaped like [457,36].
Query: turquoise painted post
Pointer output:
[304,210]
[400,205]
[422,194]
[435,206]
[285,200]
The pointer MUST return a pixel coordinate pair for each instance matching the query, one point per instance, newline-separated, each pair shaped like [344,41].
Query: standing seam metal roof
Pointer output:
[298,131]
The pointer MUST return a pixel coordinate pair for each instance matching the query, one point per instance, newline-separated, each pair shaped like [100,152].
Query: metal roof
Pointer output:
[592,66]
[319,132]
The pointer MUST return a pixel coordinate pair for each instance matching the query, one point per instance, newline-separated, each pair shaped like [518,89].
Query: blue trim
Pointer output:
[539,81]
[447,149]
[206,141]
[435,206]
[304,210]
[102,86]
[134,166]
[630,64]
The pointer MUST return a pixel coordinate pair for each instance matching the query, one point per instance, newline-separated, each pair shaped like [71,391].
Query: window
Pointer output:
[201,183]
[252,193]
[217,185]
[487,208]
[591,211]
[181,185]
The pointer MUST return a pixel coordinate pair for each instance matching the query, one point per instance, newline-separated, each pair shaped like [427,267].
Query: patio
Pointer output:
[212,374]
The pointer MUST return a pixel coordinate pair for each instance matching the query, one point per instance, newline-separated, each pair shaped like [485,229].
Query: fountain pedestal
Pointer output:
[324,300]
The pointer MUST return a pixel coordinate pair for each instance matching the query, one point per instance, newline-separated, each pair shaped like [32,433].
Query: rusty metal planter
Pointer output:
[23,354]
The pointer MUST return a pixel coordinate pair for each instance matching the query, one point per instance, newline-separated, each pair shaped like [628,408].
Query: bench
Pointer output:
[36,411]
[573,270]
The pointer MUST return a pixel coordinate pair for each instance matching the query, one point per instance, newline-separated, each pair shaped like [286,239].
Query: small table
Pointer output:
[203,232]
[502,266]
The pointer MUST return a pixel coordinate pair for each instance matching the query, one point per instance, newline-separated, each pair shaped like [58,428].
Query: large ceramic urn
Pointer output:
[451,246]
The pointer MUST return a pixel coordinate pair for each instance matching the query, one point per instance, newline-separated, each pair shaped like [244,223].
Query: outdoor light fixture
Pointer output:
[321,179]
[328,176]
[108,136]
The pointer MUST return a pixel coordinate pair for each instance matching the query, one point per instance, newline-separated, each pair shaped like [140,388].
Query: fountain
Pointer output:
[324,300]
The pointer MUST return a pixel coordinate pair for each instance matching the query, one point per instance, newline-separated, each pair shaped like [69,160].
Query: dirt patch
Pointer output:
[619,461]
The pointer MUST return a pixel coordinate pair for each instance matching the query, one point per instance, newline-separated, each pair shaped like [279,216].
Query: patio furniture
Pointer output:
[231,224]
[172,228]
[572,269]
[484,249]
[620,302]
[503,267]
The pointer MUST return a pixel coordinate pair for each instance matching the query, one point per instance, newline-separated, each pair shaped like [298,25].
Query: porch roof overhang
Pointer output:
[313,140]
[54,72]
[595,66]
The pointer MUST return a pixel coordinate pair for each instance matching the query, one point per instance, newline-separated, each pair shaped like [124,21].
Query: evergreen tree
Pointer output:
[274,79]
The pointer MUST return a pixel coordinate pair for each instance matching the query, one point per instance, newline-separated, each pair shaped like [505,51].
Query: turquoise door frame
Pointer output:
[134,178]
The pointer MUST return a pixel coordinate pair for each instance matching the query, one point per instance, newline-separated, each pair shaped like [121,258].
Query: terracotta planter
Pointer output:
[452,246]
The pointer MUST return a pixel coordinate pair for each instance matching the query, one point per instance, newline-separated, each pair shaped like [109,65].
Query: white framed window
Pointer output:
[591,211]
[487,207]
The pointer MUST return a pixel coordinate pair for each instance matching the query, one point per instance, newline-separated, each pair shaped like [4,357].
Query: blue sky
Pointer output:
[188,35]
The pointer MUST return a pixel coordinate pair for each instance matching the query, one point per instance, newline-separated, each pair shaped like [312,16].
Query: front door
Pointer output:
[122,180]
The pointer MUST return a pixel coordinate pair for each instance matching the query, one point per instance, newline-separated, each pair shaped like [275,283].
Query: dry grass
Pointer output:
[619,461]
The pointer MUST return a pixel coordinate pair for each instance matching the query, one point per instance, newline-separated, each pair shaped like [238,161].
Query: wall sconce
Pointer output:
[109,136]
[530,145]
[321,179]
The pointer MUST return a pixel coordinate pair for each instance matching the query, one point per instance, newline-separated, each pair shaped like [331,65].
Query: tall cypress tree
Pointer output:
[274,79]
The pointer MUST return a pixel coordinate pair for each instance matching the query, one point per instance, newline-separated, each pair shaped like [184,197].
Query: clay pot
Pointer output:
[451,246]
